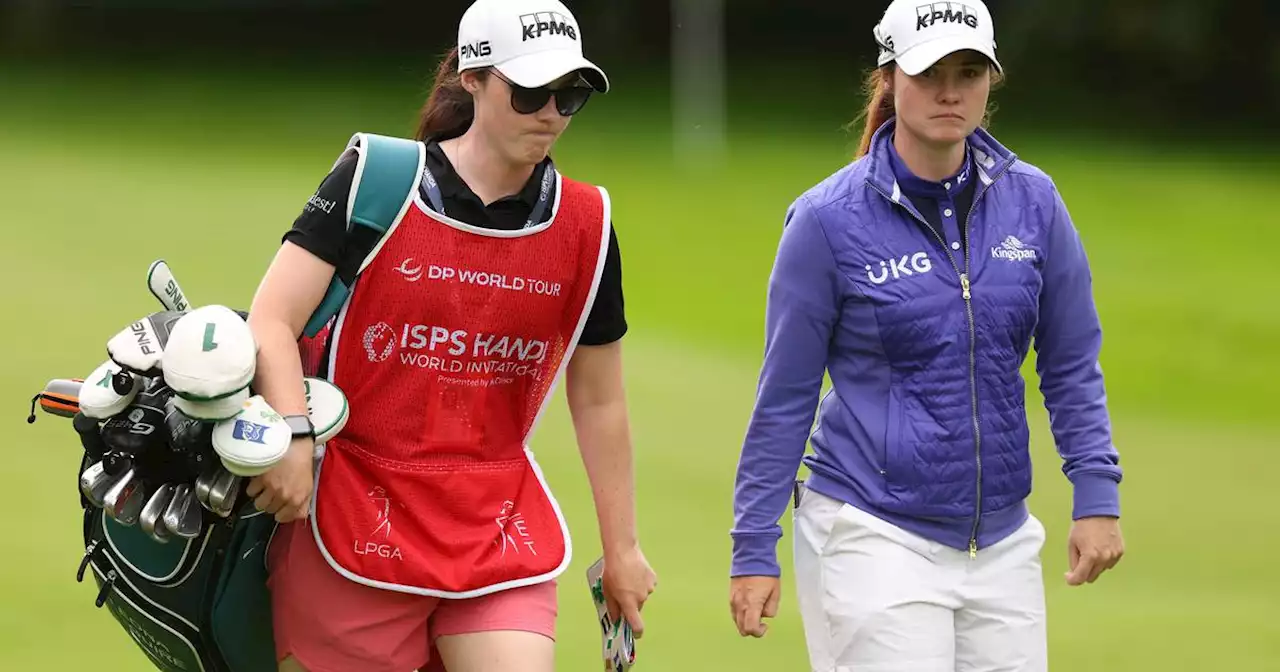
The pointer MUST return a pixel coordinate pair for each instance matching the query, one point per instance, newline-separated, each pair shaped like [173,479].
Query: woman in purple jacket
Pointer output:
[917,277]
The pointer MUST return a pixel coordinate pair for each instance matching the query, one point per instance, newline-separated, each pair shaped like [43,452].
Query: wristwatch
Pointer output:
[300,425]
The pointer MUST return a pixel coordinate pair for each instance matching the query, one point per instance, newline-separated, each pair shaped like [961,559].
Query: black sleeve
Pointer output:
[607,321]
[321,228]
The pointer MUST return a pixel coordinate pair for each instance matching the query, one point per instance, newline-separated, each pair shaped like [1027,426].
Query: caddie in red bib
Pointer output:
[449,348]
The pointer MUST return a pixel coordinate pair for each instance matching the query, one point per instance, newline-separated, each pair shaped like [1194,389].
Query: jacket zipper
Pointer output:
[966,293]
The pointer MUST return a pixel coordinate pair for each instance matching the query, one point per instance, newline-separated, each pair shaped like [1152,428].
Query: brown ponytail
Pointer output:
[879,106]
[449,109]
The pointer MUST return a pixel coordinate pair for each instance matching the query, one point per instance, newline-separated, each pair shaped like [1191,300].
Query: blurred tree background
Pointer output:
[1147,63]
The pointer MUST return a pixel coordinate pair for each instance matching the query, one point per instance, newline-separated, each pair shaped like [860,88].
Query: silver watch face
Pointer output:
[300,425]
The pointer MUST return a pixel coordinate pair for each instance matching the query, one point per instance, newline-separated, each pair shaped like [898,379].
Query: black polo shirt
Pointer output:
[321,229]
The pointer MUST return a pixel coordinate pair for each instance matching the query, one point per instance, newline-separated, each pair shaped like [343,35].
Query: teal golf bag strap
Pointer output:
[387,174]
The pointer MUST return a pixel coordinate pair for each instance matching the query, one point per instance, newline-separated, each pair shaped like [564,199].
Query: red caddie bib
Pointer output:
[448,350]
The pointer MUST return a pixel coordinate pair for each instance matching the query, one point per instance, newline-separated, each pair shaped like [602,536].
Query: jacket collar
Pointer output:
[989,159]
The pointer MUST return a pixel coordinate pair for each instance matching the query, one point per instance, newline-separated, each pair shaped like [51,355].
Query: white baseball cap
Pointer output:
[917,34]
[531,42]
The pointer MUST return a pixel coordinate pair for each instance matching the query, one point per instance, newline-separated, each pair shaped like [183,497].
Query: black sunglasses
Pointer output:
[569,99]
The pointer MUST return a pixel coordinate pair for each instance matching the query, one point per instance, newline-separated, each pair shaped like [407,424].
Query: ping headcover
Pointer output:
[100,397]
[209,361]
[139,347]
[327,408]
[254,440]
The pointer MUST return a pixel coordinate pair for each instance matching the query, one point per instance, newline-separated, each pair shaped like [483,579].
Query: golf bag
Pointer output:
[202,603]
[192,604]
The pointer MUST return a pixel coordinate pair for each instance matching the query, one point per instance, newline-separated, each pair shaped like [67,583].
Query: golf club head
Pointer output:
[209,361]
[254,441]
[189,438]
[165,287]
[124,500]
[327,407]
[138,429]
[90,436]
[183,516]
[204,484]
[116,463]
[95,482]
[139,347]
[101,395]
[151,519]
[223,494]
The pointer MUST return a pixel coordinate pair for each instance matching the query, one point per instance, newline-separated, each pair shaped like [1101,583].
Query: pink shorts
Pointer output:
[331,624]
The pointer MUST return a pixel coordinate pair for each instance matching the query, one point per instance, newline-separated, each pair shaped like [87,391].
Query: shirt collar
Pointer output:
[912,185]
[452,186]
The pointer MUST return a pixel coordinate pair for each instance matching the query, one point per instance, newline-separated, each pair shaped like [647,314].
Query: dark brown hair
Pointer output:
[880,104]
[449,109]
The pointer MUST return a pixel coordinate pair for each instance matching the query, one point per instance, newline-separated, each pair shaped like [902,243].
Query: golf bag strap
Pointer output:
[387,174]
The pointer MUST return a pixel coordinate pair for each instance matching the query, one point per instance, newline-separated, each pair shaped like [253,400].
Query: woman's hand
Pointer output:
[1094,546]
[752,599]
[628,582]
[285,490]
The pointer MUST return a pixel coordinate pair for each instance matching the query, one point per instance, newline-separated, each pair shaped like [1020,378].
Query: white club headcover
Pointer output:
[254,440]
[139,347]
[98,396]
[213,411]
[327,408]
[211,355]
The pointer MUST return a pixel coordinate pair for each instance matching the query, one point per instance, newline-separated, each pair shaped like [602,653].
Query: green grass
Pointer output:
[104,172]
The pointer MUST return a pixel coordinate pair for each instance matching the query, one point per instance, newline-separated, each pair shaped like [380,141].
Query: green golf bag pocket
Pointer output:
[171,643]
[198,604]
[241,604]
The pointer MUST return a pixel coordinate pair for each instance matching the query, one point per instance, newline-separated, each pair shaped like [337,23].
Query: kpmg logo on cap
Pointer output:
[540,24]
[945,12]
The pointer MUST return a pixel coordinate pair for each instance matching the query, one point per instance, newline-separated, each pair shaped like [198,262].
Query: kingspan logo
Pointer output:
[945,12]
[1012,249]
[538,24]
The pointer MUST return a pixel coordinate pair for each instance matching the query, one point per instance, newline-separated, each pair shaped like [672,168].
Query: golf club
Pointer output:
[90,436]
[183,516]
[165,287]
[150,519]
[124,500]
[223,494]
[139,347]
[95,482]
[204,483]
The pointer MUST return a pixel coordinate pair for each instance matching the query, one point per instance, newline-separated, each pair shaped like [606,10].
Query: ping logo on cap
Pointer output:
[945,12]
[539,24]
[475,50]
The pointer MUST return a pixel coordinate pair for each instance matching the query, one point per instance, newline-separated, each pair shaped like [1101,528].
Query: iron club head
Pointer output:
[204,483]
[184,517]
[150,520]
[124,500]
[223,494]
[95,482]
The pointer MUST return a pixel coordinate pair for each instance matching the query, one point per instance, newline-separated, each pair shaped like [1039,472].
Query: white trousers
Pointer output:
[876,598]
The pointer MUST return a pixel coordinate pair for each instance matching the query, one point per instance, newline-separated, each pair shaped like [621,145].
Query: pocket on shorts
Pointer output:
[855,521]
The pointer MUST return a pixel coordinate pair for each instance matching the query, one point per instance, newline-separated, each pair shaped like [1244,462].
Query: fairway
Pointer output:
[106,171]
